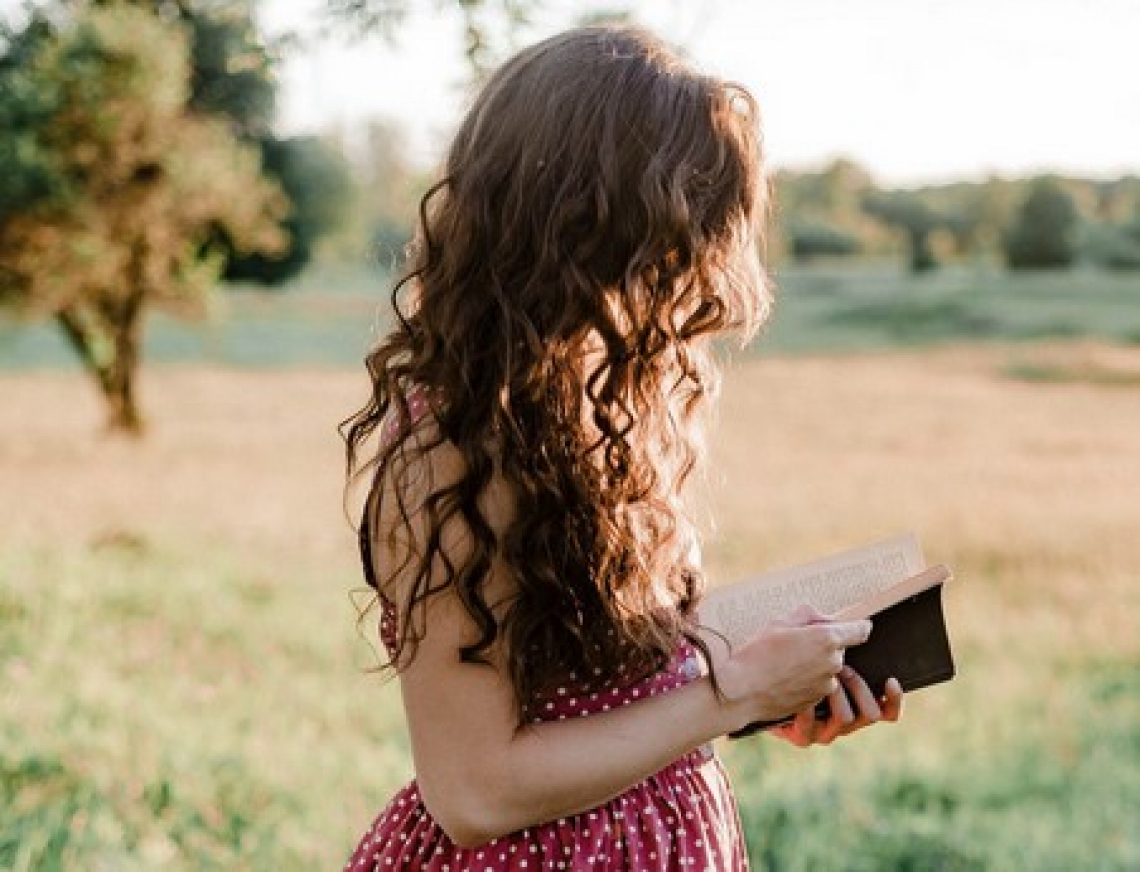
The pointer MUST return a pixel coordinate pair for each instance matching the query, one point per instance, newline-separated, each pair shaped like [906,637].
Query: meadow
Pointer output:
[185,684]
[328,315]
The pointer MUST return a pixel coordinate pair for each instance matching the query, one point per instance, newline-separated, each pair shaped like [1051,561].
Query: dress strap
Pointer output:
[392,429]
[364,537]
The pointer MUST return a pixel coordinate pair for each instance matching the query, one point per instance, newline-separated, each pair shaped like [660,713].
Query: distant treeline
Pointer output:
[841,212]
[1040,222]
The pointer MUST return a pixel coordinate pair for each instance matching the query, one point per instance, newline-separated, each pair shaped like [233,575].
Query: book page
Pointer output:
[830,584]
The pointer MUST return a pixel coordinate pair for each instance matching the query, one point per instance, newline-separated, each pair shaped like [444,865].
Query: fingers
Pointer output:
[860,694]
[846,634]
[835,638]
[802,731]
[852,706]
[839,720]
[892,701]
[843,634]
[834,634]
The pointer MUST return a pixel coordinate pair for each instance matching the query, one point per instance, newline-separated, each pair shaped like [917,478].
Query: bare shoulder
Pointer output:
[406,522]
[427,464]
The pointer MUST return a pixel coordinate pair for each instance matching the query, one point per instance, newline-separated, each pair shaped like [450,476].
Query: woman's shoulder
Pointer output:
[422,473]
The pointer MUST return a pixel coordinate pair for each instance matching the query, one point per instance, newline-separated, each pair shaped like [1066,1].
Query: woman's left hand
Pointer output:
[806,729]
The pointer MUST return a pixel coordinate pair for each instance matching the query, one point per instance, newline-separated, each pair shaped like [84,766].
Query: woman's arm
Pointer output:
[482,776]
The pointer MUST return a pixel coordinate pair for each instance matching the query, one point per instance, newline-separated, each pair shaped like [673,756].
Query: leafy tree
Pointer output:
[1116,200]
[1123,248]
[907,212]
[112,185]
[1043,233]
[971,215]
[231,67]
[320,189]
[820,212]
[1110,234]
[808,240]
[837,189]
[232,77]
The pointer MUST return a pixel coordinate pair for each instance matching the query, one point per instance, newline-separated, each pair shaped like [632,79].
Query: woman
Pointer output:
[537,413]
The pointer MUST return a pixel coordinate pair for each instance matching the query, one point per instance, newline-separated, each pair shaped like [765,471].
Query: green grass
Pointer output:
[176,710]
[170,711]
[1059,795]
[328,317]
[871,308]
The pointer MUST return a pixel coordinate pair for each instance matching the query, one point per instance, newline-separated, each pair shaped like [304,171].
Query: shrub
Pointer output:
[1043,232]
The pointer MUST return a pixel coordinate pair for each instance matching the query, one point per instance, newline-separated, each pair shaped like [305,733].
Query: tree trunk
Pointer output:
[108,347]
[922,257]
[119,389]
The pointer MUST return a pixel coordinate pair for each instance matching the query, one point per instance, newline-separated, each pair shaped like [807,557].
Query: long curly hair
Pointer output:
[599,221]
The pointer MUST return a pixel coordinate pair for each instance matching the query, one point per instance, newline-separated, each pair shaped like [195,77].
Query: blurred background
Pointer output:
[203,207]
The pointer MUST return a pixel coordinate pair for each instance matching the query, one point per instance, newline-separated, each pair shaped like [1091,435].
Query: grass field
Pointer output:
[328,316]
[184,685]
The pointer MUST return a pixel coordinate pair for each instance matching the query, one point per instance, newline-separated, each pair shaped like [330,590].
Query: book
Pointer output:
[887,582]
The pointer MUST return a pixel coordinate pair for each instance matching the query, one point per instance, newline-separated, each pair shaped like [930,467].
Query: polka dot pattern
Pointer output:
[680,819]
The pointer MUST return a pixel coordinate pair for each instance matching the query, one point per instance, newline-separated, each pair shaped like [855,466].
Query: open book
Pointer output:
[887,582]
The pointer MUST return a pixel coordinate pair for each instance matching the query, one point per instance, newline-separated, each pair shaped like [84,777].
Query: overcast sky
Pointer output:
[917,90]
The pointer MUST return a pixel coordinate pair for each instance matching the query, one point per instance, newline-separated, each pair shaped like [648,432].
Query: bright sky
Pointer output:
[917,90]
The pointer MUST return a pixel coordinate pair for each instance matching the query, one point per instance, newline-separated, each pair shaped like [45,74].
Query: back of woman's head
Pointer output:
[597,168]
[598,218]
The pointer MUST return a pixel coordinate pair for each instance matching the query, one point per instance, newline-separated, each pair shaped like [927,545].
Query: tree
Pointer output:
[820,211]
[1043,233]
[835,191]
[231,67]
[232,78]
[809,240]
[907,212]
[1123,249]
[112,185]
[320,189]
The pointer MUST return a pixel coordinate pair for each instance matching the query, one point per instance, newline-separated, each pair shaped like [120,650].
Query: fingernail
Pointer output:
[893,685]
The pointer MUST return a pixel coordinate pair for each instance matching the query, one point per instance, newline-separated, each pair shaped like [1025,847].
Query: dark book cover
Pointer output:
[908,641]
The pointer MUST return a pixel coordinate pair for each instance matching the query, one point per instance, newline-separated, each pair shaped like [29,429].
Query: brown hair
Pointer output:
[597,223]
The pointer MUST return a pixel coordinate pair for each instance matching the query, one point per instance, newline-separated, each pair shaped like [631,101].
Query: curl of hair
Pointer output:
[598,222]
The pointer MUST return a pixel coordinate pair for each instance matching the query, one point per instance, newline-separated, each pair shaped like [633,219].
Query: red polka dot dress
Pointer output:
[682,818]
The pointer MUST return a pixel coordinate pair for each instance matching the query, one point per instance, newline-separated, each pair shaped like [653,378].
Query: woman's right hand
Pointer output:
[789,666]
